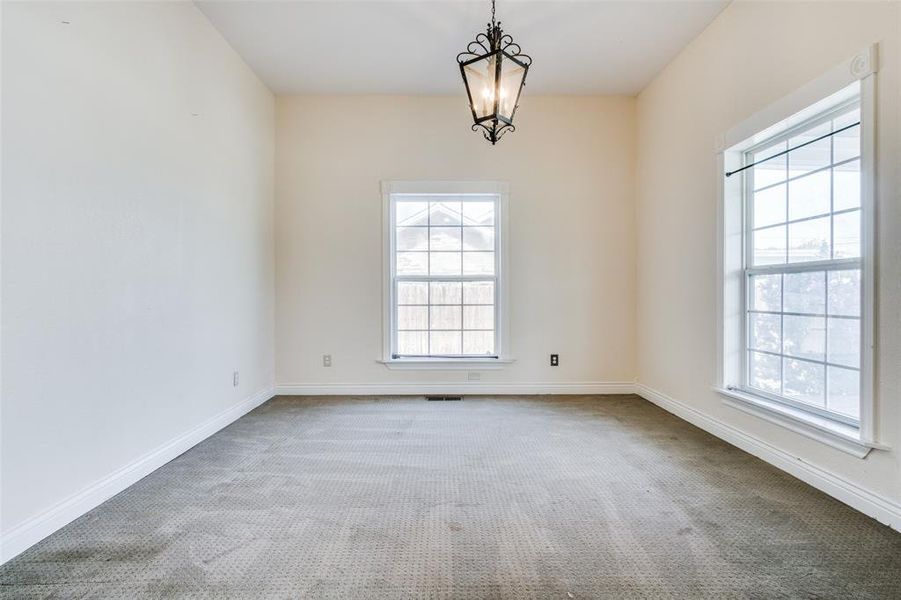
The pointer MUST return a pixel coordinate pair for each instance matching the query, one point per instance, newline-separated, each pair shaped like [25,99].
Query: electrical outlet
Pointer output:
[473,376]
[326,360]
[555,360]
[235,379]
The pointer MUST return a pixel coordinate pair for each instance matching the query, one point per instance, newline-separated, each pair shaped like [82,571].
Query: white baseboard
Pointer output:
[871,504]
[456,387]
[38,527]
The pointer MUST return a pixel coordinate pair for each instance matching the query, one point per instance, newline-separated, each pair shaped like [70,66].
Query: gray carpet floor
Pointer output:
[503,497]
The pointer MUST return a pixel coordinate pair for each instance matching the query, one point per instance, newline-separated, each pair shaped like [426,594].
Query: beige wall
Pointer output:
[750,56]
[572,267]
[137,245]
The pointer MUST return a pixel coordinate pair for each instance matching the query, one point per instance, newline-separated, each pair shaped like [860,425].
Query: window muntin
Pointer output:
[804,265]
[444,263]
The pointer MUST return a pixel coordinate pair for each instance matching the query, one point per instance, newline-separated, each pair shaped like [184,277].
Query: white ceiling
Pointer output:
[410,47]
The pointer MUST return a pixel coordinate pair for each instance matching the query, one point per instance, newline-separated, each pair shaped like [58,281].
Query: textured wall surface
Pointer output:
[572,271]
[137,239]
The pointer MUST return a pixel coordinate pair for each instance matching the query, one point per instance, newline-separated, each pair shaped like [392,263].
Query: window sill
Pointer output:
[447,364]
[837,435]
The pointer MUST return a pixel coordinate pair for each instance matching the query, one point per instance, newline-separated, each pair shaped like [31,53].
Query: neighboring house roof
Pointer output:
[421,218]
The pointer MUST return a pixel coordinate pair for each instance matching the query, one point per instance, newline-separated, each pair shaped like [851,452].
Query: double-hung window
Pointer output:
[444,287]
[796,260]
[803,265]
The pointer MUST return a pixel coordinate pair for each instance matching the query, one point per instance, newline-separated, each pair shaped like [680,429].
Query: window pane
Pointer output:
[412,292]
[446,292]
[846,185]
[769,246]
[805,292]
[804,382]
[445,342]
[411,213]
[413,343]
[478,292]
[766,292]
[766,332]
[804,337]
[844,391]
[412,263]
[445,317]
[478,342]
[809,240]
[444,238]
[844,292]
[445,263]
[769,206]
[846,234]
[846,144]
[769,171]
[412,317]
[478,263]
[809,196]
[764,372]
[813,156]
[446,213]
[478,317]
[478,213]
[412,238]
[478,238]
[844,342]
[852,116]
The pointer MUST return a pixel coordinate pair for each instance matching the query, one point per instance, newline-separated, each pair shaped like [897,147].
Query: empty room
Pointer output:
[450,299]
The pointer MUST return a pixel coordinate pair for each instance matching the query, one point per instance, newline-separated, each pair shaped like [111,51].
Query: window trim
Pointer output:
[819,96]
[828,431]
[502,313]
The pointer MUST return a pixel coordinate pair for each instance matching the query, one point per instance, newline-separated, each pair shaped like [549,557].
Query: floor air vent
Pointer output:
[443,398]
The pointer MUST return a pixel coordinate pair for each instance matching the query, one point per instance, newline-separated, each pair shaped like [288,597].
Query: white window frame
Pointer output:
[819,96]
[800,267]
[502,313]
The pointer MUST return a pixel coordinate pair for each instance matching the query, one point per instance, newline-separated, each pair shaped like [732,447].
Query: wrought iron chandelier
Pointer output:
[494,72]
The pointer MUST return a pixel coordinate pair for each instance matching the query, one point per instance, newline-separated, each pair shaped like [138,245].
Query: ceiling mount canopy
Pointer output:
[494,71]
